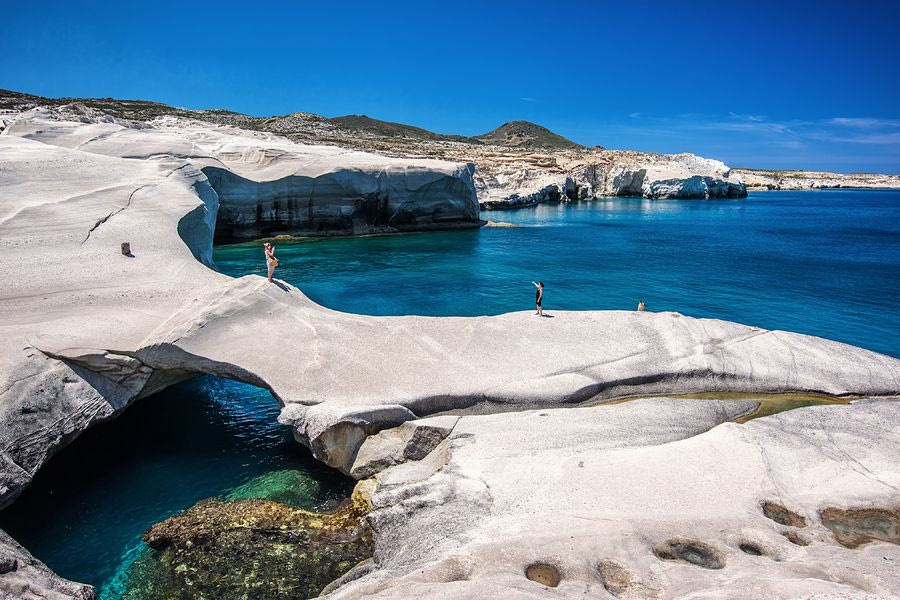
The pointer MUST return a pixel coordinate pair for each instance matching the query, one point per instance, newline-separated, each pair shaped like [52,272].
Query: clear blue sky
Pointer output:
[784,84]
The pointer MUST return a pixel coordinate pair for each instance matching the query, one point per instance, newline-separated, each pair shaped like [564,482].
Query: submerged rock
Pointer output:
[251,548]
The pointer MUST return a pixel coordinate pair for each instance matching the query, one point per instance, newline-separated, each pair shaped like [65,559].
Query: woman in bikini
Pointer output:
[271,261]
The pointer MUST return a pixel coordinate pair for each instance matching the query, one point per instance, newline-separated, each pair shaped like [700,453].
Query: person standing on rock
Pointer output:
[539,296]
[271,261]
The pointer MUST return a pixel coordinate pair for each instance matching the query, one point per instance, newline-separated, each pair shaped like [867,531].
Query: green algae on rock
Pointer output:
[251,548]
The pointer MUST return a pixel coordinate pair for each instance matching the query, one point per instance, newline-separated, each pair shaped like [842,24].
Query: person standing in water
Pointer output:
[539,296]
[640,306]
[271,261]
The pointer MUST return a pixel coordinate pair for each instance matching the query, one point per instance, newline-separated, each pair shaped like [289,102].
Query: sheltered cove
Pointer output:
[458,505]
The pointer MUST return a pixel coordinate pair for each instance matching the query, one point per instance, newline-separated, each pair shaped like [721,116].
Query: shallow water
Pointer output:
[825,263]
[86,509]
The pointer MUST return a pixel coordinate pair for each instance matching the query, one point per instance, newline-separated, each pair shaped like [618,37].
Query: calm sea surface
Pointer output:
[824,263]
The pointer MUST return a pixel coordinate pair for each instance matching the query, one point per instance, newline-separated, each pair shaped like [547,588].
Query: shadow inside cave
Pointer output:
[85,510]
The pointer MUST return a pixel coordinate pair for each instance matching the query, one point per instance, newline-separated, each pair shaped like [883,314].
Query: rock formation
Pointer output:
[654,498]
[86,330]
[268,186]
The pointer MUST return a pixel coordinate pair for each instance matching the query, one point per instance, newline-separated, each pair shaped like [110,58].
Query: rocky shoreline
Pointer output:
[489,479]
[761,179]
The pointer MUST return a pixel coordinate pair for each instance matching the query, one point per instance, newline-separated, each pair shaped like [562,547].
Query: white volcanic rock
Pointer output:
[23,577]
[678,176]
[270,186]
[605,174]
[649,499]
[84,330]
[570,358]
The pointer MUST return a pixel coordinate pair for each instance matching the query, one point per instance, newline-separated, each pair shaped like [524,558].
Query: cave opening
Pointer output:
[207,437]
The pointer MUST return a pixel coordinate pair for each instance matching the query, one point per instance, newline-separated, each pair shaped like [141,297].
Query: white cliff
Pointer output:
[589,174]
[518,164]
[269,186]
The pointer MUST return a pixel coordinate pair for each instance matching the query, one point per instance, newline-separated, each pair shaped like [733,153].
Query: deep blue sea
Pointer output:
[825,263]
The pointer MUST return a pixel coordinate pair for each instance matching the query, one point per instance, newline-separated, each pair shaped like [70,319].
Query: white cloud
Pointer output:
[864,122]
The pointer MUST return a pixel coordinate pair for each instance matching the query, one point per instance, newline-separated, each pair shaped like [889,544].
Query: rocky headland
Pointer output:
[500,456]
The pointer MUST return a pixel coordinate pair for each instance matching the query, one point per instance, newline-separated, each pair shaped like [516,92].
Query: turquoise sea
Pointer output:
[825,263]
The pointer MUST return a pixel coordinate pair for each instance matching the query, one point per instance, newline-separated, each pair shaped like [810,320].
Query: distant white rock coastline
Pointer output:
[660,176]
[762,179]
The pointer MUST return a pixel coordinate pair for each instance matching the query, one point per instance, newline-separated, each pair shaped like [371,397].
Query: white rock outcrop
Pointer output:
[677,176]
[580,177]
[269,186]
[85,331]
[654,498]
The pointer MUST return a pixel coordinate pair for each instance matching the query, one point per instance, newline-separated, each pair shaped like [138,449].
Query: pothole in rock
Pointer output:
[250,548]
[782,515]
[621,583]
[854,527]
[751,549]
[795,538]
[543,574]
[690,551]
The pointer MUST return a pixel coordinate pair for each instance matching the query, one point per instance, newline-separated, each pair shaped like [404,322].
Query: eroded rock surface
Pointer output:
[267,186]
[652,498]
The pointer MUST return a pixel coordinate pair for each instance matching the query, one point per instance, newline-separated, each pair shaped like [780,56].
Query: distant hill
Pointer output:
[126,109]
[521,134]
[526,134]
[390,129]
